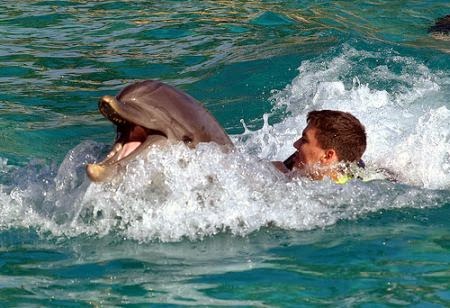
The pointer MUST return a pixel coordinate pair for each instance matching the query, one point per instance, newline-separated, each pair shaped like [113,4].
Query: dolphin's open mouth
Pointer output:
[131,139]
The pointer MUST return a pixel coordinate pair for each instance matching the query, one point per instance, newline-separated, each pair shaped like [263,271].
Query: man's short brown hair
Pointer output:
[340,131]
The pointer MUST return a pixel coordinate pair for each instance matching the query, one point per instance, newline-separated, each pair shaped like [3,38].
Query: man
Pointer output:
[330,140]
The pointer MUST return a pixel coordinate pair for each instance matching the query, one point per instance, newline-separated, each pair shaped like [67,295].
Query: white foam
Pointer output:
[175,193]
[180,193]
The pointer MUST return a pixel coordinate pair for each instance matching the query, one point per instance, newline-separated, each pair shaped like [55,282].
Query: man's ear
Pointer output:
[329,157]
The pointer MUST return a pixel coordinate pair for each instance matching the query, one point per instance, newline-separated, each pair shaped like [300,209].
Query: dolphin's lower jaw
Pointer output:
[100,173]
[116,160]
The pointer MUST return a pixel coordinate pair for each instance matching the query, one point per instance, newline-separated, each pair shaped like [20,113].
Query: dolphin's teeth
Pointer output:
[117,147]
[119,120]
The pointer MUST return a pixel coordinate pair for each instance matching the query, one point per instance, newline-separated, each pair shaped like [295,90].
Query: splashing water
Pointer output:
[174,193]
[407,121]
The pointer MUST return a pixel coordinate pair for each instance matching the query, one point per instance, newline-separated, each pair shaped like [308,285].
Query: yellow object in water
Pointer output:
[343,179]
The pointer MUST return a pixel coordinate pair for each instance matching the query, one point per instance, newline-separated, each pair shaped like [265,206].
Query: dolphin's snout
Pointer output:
[109,106]
[108,99]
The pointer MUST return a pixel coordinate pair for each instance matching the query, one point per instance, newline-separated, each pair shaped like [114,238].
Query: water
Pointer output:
[201,227]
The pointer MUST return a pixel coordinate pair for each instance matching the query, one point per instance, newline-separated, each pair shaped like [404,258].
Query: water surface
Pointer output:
[203,227]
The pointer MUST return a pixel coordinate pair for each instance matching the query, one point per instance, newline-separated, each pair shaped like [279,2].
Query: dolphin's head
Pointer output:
[151,112]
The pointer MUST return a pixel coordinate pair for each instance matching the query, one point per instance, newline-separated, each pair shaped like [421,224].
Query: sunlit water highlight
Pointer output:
[194,227]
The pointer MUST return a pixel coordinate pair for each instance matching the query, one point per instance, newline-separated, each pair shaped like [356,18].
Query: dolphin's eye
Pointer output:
[186,139]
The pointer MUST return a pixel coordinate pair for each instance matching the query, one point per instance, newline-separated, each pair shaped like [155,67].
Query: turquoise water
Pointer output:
[204,228]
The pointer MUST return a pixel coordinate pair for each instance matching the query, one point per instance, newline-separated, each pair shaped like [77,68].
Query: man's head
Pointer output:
[330,137]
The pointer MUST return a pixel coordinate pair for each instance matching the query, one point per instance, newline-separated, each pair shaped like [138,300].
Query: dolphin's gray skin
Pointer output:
[151,112]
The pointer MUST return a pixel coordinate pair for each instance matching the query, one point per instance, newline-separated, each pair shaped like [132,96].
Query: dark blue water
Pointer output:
[201,227]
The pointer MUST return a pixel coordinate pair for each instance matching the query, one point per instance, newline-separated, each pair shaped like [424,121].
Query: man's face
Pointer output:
[309,152]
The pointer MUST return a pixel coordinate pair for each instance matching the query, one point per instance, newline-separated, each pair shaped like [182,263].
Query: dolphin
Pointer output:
[151,112]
